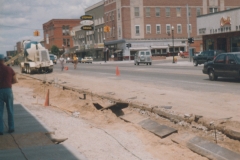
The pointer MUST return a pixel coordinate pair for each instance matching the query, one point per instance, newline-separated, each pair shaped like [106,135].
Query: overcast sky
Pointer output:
[20,18]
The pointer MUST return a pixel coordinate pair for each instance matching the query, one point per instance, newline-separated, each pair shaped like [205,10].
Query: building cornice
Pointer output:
[94,6]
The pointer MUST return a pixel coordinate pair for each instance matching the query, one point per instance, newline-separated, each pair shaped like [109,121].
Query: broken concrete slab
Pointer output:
[205,148]
[159,130]
[133,118]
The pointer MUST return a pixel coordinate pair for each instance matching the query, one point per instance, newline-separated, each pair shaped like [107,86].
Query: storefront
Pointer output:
[223,33]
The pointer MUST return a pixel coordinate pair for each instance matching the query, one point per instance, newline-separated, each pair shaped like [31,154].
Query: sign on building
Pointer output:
[86,17]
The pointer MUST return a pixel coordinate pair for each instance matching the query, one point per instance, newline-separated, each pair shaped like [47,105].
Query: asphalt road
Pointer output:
[163,72]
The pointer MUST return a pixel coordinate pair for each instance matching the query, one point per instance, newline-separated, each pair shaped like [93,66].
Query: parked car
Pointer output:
[144,57]
[69,60]
[224,65]
[79,59]
[52,57]
[87,60]
[205,56]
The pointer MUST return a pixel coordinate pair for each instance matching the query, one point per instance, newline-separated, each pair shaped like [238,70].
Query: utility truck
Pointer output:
[36,58]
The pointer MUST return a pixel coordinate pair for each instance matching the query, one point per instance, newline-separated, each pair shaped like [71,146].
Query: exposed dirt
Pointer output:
[101,134]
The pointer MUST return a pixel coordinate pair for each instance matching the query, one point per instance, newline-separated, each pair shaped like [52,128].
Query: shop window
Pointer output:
[209,44]
[182,49]
[236,27]
[153,51]
[164,51]
[235,44]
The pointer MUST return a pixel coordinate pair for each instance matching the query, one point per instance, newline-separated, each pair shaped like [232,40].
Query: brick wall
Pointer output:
[56,36]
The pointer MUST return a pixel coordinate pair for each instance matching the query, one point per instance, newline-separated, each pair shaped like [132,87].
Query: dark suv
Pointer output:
[205,56]
[224,65]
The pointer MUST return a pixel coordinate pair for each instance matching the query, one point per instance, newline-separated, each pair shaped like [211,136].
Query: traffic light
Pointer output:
[107,29]
[36,33]
[191,40]
[128,45]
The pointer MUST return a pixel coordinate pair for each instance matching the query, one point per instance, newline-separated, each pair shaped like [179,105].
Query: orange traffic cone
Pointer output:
[66,68]
[47,99]
[117,72]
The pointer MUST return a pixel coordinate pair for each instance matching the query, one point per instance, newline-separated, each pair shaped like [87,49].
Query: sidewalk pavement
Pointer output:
[30,141]
[186,62]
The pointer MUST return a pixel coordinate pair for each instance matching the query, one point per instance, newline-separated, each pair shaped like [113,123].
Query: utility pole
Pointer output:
[188,45]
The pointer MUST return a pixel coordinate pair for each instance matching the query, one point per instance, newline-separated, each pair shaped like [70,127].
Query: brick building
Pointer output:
[57,32]
[147,24]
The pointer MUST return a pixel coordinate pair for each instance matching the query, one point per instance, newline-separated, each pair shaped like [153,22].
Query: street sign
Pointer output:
[86,17]
[86,22]
[87,28]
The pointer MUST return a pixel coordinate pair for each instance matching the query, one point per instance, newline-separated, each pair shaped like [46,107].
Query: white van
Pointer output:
[143,57]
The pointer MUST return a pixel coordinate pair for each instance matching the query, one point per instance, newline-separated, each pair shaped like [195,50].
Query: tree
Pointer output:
[54,50]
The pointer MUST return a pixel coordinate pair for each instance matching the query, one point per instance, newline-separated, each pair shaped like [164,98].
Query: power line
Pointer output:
[20,27]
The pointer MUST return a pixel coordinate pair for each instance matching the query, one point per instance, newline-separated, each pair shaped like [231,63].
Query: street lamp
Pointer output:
[105,51]
[173,42]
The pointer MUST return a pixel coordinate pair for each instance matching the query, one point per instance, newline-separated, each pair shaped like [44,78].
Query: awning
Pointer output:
[139,48]
[159,47]
[117,51]
[114,42]
[73,49]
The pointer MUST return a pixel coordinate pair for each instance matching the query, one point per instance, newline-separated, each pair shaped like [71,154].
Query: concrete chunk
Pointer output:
[133,117]
[154,127]
[206,148]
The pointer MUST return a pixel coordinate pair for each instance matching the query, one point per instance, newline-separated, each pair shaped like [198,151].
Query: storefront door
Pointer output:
[222,44]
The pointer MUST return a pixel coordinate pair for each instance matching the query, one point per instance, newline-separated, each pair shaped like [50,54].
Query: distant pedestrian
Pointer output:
[75,61]
[7,78]
[61,59]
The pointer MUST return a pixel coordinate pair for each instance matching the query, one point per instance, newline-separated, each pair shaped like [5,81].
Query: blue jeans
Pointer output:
[6,96]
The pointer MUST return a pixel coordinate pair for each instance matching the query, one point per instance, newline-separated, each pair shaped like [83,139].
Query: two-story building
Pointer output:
[223,33]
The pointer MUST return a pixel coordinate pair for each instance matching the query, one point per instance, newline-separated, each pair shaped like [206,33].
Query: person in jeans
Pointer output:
[7,78]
